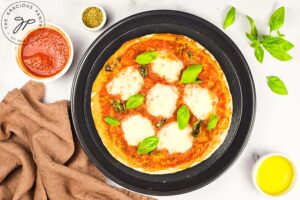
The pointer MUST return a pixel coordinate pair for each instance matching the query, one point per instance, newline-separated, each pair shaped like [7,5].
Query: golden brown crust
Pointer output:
[160,161]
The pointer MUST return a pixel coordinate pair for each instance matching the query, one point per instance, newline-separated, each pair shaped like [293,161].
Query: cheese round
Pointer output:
[161,100]
[136,128]
[127,83]
[198,100]
[167,67]
[175,140]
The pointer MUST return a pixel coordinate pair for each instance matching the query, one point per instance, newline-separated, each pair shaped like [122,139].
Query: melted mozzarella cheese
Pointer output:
[136,128]
[127,83]
[167,68]
[198,100]
[175,140]
[161,100]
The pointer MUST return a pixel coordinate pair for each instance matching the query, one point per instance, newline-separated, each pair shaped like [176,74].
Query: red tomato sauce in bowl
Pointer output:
[44,53]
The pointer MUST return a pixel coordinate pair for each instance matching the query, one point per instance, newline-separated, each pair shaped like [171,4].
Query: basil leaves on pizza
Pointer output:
[183,117]
[191,73]
[148,145]
[112,121]
[212,123]
[146,57]
[135,101]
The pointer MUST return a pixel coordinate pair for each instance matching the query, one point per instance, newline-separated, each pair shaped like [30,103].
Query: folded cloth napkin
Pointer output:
[39,157]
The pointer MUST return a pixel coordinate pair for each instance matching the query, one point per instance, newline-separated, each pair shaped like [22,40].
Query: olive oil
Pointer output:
[275,175]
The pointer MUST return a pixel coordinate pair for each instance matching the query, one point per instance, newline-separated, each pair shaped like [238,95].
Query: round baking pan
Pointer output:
[236,71]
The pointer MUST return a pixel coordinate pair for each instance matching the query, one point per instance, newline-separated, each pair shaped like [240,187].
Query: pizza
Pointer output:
[161,103]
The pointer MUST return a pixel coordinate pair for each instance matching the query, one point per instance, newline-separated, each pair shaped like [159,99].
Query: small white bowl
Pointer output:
[17,55]
[103,21]
[258,164]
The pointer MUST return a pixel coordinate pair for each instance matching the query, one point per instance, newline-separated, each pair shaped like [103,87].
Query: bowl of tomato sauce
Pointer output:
[46,53]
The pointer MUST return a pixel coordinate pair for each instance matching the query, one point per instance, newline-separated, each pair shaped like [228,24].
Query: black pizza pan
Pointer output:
[232,63]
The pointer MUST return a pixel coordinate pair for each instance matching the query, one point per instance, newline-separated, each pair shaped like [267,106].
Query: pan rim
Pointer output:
[155,192]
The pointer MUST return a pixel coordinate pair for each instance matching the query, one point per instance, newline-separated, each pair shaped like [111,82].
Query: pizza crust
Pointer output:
[101,127]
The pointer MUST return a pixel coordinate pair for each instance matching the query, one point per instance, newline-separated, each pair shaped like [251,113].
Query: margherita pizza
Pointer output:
[161,103]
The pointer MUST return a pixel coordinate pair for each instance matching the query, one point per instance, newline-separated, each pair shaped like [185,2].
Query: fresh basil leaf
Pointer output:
[259,53]
[277,19]
[183,117]
[277,43]
[112,121]
[277,85]
[253,35]
[190,74]
[212,122]
[148,145]
[230,18]
[118,106]
[146,57]
[196,128]
[277,47]
[135,101]
[160,123]
[280,55]
[144,70]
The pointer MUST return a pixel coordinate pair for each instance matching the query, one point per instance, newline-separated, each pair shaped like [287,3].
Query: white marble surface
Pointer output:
[276,127]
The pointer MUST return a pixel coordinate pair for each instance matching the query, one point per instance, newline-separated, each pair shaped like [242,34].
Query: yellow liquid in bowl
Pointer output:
[275,175]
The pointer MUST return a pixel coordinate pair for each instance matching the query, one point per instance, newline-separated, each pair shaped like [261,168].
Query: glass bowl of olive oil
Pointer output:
[274,174]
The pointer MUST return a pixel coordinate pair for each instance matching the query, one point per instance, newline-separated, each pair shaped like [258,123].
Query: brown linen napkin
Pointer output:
[40,159]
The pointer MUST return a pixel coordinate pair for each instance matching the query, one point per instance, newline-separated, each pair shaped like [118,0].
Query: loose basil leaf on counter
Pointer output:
[212,122]
[253,35]
[277,85]
[160,123]
[146,57]
[230,18]
[196,128]
[144,70]
[259,53]
[135,101]
[183,117]
[118,106]
[112,121]
[148,145]
[190,74]
[277,19]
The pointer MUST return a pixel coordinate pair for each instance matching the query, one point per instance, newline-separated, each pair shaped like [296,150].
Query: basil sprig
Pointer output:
[146,57]
[148,145]
[277,85]
[135,101]
[191,73]
[277,46]
[183,117]
[212,123]
[112,121]
[230,18]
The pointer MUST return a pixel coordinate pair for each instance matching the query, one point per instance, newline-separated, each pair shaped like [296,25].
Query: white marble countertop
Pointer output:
[277,117]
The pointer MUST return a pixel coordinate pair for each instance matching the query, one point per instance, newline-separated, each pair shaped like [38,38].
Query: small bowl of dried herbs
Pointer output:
[93,17]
